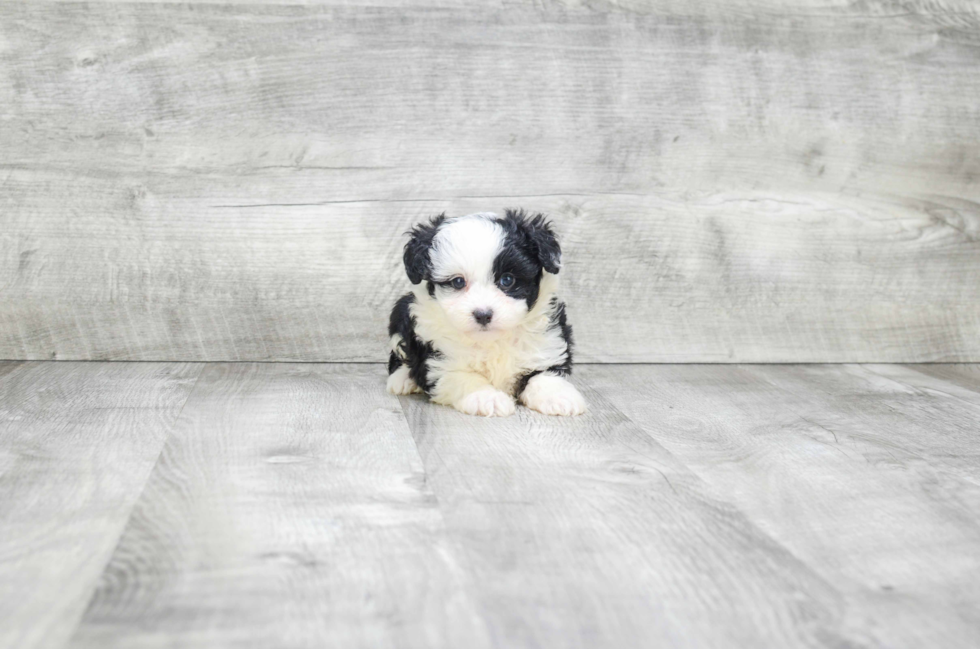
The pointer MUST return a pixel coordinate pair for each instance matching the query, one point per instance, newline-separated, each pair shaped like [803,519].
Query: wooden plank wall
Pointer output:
[734,181]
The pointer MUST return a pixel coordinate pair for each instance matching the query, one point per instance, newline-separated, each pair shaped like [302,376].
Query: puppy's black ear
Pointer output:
[417,263]
[542,237]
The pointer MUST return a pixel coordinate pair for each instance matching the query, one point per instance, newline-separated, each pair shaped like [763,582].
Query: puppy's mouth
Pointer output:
[487,331]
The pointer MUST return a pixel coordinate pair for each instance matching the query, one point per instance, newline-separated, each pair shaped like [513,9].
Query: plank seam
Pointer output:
[129,515]
[453,546]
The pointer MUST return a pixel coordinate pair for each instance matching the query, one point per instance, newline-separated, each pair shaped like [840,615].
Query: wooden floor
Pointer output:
[298,505]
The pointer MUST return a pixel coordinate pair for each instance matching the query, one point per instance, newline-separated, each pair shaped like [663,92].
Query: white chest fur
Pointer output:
[535,344]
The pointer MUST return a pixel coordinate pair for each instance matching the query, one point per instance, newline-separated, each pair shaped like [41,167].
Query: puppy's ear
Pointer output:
[542,238]
[416,257]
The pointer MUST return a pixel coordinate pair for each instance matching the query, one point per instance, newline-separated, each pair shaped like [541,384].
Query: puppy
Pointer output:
[483,325]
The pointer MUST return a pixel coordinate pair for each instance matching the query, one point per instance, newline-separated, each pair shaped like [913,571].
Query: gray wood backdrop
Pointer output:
[734,181]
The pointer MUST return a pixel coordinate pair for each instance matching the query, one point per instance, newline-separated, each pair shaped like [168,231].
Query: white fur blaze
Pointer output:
[399,382]
[487,402]
[553,395]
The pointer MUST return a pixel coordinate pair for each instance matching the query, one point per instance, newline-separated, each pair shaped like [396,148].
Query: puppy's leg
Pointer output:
[471,393]
[399,382]
[553,395]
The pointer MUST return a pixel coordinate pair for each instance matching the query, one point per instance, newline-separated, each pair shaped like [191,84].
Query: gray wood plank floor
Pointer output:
[77,443]
[262,505]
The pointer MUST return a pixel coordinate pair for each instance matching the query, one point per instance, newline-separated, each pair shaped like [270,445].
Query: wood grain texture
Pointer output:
[294,505]
[963,375]
[585,532]
[289,508]
[747,181]
[866,474]
[77,443]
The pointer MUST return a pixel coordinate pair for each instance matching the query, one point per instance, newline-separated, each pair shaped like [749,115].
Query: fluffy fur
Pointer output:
[483,325]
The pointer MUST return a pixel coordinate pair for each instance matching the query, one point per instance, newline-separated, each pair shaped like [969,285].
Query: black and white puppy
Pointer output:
[483,324]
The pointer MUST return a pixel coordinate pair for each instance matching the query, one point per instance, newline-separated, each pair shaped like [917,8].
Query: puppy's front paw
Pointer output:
[486,402]
[553,395]
[399,382]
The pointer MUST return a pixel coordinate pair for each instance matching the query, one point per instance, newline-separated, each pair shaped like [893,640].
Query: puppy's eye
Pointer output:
[457,283]
[506,280]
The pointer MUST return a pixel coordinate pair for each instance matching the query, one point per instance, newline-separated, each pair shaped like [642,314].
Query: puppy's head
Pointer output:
[483,270]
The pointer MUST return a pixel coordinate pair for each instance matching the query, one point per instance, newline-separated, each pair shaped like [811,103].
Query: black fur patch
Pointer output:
[522,382]
[530,247]
[558,321]
[393,363]
[418,266]
[535,232]
[415,351]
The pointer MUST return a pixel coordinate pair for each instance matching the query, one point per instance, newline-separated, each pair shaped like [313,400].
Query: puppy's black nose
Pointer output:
[483,317]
